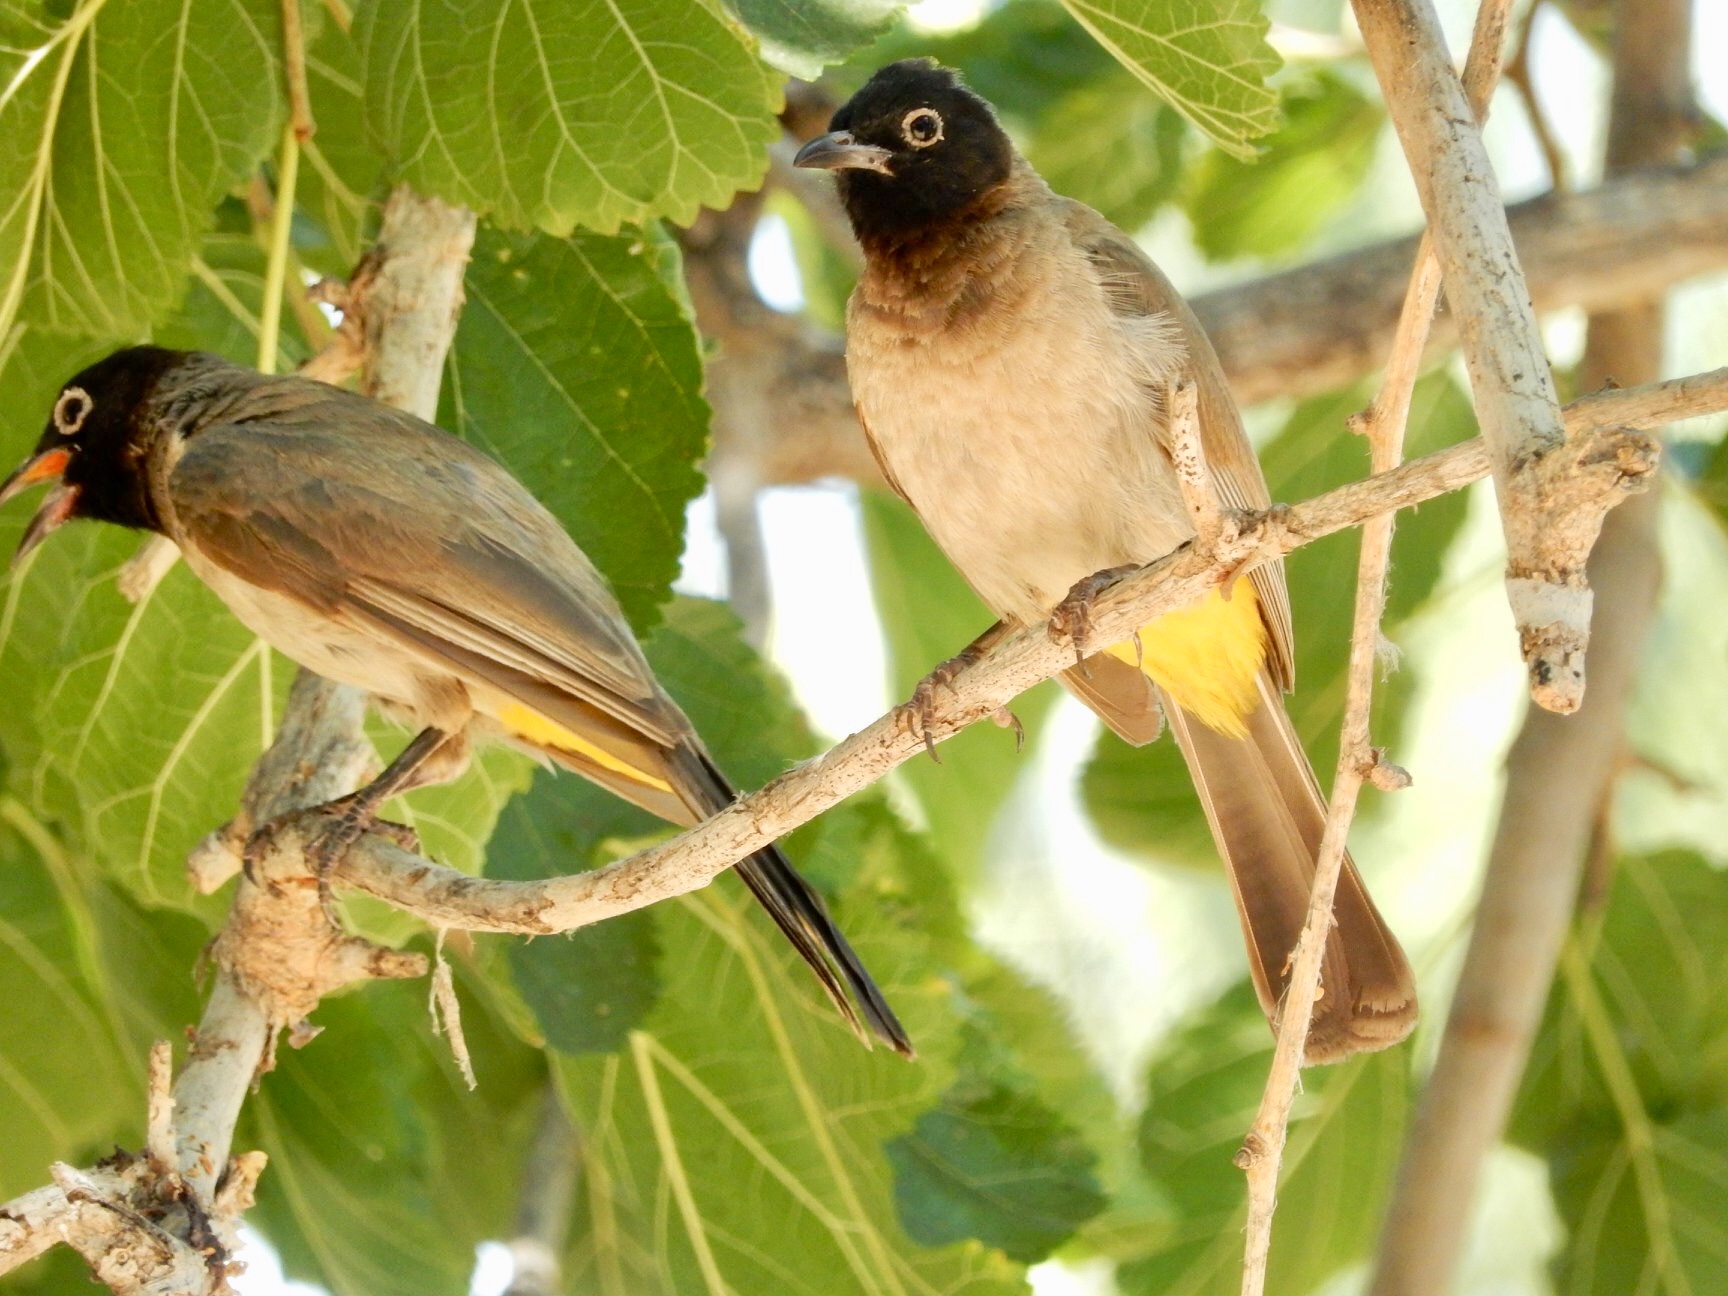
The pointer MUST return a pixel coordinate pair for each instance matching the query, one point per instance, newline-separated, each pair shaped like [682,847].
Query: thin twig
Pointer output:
[1384,422]
[276,267]
[294,70]
[1520,78]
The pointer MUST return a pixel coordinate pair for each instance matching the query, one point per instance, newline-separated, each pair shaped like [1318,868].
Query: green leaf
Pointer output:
[577,367]
[556,115]
[133,726]
[1114,147]
[588,988]
[64,1075]
[1024,56]
[120,127]
[1140,798]
[1207,58]
[1345,1134]
[385,1169]
[737,1143]
[801,36]
[1626,1092]
[997,1165]
[928,615]
[341,172]
[1311,165]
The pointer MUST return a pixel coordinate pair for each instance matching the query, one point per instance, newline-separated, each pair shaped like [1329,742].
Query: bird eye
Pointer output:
[71,410]
[922,127]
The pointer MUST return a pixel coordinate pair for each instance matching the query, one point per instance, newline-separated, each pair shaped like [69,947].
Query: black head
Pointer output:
[95,445]
[914,148]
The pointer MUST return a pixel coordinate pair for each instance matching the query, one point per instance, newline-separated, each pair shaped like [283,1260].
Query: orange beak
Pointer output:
[56,510]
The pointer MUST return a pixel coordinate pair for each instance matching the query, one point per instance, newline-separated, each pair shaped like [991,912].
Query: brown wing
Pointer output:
[362,512]
[1137,287]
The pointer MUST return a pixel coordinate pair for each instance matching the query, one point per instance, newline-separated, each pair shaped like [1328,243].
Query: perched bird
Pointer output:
[382,552]
[1010,354]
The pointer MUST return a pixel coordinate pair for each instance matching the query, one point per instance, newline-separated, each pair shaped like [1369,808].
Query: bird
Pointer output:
[1011,356]
[381,551]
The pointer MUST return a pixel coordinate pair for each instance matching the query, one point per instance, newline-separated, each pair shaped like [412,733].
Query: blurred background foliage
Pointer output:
[1050,922]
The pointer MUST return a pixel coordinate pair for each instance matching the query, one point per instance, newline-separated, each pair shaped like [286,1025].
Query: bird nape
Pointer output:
[382,552]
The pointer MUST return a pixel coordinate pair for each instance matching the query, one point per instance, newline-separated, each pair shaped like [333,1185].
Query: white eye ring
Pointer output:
[919,115]
[71,410]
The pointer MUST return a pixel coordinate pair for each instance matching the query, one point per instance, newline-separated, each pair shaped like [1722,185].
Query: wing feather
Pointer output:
[1138,290]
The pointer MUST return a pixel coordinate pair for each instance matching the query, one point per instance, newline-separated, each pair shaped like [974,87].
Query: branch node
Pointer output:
[1383,774]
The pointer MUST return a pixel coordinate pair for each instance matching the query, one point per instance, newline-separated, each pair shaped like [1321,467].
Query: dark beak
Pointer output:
[56,510]
[838,151]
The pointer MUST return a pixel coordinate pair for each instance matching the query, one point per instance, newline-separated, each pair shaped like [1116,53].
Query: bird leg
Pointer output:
[1071,619]
[432,756]
[919,713]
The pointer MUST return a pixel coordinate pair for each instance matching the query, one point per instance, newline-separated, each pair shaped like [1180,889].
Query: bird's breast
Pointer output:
[1023,427]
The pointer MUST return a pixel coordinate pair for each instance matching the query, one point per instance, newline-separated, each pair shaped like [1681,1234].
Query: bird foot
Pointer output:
[918,714]
[334,827]
[1071,619]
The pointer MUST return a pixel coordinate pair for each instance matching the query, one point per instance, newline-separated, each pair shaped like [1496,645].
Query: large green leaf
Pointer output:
[576,365]
[929,614]
[120,126]
[385,1169]
[1140,798]
[800,36]
[1113,146]
[1312,164]
[993,1163]
[1345,1135]
[1207,58]
[64,1074]
[1626,1093]
[736,1144]
[552,114]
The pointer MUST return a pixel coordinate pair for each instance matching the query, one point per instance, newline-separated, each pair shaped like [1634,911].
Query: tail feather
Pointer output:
[798,911]
[1267,815]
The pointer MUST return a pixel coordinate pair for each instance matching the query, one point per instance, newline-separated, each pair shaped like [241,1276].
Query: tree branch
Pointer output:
[168,1228]
[1612,456]
[1559,772]
[1384,424]
[1295,334]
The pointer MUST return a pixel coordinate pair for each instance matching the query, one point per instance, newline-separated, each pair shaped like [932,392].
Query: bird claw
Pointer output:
[918,713]
[1071,619]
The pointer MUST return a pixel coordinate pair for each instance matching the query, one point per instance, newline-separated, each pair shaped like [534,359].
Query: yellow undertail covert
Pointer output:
[1207,657]
[531,727]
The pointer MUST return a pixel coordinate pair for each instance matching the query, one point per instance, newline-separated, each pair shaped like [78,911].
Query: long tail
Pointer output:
[798,911]
[1267,816]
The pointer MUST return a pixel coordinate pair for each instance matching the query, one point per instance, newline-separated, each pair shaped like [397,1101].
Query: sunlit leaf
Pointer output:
[1626,1092]
[576,365]
[801,36]
[1310,166]
[386,1171]
[554,115]
[1208,59]
[1345,1134]
[120,126]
